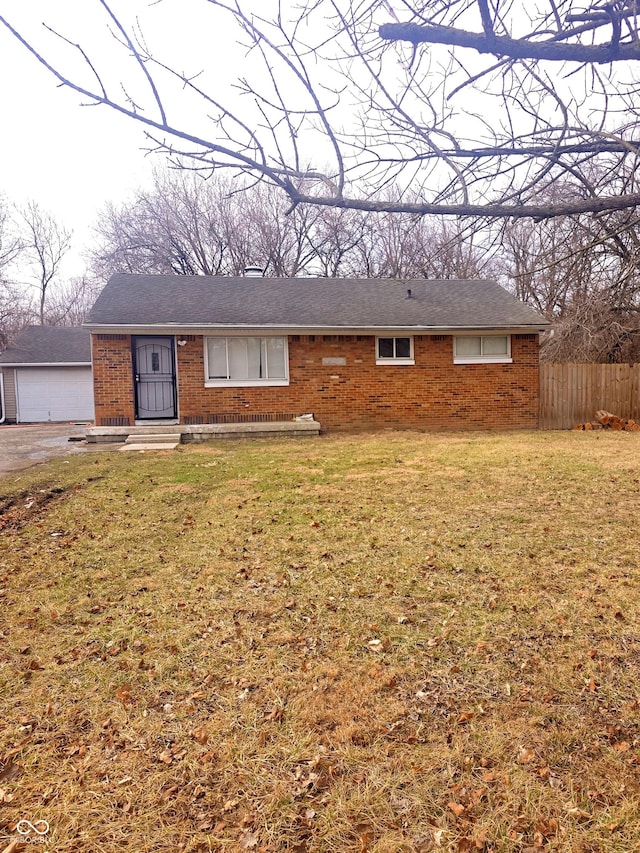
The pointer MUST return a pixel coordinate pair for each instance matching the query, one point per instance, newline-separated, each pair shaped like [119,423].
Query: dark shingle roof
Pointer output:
[312,303]
[50,345]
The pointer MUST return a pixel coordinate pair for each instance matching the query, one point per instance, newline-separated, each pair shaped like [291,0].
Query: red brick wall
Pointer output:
[432,394]
[112,380]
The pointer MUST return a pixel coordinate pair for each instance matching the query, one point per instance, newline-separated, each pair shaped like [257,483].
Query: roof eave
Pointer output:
[240,328]
[45,364]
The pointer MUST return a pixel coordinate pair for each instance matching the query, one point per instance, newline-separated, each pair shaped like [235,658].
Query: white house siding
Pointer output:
[9,374]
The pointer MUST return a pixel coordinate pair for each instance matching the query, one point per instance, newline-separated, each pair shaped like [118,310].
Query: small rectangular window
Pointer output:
[394,351]
[472,349]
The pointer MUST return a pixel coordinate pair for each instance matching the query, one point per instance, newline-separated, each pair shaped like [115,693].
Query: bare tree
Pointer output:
[477,105]
[404,246]
[583,274]
[31,238]
[592,330]
[186,225]
[69,302]
[10,243]
[12,302]
[15,312]
[45,243]
[176,226]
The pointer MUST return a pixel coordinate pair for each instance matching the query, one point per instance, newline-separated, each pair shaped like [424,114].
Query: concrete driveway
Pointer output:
[24,446]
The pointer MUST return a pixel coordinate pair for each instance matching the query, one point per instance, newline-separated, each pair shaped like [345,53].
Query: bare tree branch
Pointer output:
[501,46]
[335,102]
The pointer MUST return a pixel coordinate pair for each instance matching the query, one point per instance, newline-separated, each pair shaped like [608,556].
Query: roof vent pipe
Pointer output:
[253,272]
[409,294]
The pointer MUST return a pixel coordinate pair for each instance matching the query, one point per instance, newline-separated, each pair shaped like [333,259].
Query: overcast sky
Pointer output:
[73,158]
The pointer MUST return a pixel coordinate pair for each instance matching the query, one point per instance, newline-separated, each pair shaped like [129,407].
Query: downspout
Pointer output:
[2,403]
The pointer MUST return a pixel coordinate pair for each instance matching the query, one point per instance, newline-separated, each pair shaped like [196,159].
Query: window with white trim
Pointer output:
[246,361]
[474,349]
[394,351]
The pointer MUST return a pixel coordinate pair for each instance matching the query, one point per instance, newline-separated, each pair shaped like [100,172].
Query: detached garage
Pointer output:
[46,376]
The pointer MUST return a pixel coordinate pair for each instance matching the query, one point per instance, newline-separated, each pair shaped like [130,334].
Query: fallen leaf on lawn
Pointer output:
[201,735]
[274,714]
[622,746]
[525,755]
[476,795]
[437,836]
[10,772]
[366,836]
[249,840]
[167,793]
[578,814]
[466,716]
[480,839]
[123,693]
[208,756]
[457,808]
[546,828]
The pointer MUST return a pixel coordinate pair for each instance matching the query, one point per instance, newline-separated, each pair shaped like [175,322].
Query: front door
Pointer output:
[155,377]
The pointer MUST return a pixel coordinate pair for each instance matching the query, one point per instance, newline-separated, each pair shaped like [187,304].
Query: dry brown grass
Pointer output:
[392,642]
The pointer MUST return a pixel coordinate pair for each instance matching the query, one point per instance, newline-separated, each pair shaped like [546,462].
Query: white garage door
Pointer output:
[54,394]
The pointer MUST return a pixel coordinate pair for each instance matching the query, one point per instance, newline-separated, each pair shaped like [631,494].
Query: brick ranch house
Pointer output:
[358,354]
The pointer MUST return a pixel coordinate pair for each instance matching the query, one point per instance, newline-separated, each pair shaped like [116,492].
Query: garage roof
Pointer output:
[55,345]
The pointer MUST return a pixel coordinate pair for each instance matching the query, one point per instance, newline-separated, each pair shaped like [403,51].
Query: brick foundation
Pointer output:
[432,394]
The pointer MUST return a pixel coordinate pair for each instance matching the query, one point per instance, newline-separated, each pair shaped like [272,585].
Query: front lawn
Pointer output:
[390,642]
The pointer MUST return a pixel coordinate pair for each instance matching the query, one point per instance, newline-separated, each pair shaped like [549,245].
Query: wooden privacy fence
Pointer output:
[572,393]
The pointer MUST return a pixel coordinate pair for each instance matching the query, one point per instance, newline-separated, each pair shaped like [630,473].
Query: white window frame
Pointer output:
[244,383]
[481,359]
[393,359]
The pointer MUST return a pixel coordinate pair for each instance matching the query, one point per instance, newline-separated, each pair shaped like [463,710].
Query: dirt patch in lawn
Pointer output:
[25,507]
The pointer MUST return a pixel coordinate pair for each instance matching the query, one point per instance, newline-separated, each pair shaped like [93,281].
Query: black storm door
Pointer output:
[155,377]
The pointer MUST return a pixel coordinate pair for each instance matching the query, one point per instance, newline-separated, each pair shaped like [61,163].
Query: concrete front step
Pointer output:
[152,441]
[149,445]
[153,438]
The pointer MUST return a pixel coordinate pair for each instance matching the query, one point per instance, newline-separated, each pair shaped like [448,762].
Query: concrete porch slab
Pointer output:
[205,432]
